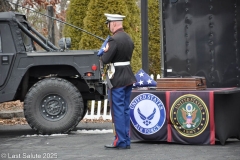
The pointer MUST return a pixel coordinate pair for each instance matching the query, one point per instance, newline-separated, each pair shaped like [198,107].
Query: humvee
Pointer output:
[55,84]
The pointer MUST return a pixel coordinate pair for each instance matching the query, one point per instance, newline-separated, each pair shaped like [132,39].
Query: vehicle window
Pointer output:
[0,42]
[7,44]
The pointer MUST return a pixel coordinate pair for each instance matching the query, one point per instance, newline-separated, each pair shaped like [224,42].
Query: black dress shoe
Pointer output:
[115,147]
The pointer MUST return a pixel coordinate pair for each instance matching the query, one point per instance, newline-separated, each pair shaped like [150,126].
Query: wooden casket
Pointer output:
[186,83]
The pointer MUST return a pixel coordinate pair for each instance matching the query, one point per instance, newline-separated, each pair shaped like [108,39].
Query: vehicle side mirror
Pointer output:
[64,43]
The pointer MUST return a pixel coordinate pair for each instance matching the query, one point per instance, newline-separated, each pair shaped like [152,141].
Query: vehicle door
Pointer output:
[7,51]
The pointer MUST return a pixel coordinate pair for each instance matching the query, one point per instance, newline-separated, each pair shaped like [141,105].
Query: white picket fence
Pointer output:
[104,115]
[96,115]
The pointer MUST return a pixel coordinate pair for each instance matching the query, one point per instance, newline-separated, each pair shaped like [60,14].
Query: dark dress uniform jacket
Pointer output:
[120,50]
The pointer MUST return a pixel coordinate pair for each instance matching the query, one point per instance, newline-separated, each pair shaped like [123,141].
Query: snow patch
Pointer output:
[39,135]
[96,131]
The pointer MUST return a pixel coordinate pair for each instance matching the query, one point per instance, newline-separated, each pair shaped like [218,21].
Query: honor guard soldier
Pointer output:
[118,53]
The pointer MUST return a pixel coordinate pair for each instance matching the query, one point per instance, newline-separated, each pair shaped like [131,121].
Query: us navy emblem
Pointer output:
[189,115]
[147,113]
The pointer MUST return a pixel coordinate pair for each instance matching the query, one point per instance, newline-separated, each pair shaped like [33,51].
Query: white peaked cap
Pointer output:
[114,17]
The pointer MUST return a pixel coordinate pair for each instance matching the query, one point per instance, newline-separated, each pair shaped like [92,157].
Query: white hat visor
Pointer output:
[114,17]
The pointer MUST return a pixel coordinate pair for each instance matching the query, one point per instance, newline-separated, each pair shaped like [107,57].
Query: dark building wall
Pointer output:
[200,38]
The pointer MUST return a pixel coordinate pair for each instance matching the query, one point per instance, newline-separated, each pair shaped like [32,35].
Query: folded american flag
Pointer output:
[101,50]
[144,80]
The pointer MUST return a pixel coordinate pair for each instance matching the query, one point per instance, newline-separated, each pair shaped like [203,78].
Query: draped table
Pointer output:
[187,117]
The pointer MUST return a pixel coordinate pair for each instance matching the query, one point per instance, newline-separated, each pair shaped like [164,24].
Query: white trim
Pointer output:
[122,63]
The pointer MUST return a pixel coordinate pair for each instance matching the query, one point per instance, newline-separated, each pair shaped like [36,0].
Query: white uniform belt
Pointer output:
[122,63]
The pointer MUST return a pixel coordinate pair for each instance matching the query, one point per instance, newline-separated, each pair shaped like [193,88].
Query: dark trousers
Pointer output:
[121,115]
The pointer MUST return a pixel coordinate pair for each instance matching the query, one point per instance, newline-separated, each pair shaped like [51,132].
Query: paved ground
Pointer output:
[21,142]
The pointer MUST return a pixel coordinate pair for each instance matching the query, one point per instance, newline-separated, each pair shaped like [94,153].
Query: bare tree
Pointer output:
[59,7]
[37,20]
[5,6]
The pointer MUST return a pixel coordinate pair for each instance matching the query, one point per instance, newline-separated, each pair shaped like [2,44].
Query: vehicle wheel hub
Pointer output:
[53,107]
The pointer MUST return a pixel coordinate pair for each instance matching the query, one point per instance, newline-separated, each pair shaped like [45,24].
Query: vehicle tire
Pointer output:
[53,105]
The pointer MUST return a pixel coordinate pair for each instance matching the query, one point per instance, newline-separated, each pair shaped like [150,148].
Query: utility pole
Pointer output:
[144,24]
[51,32]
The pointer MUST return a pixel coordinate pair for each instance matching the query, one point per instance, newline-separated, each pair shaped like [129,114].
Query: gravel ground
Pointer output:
[11,106]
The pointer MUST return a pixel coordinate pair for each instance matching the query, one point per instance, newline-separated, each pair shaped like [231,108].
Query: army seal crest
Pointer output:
[189,115]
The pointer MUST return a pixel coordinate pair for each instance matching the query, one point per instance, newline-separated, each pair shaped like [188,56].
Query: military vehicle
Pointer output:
[55,84]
